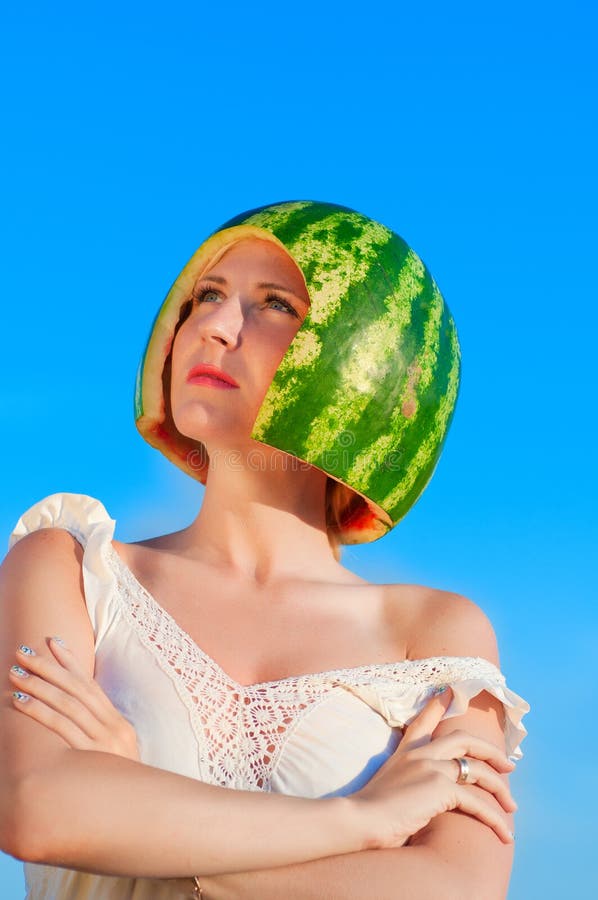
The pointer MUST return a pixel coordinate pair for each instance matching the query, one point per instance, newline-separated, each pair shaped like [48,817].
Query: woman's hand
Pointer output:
[57,693]
[64,699]
[419,781]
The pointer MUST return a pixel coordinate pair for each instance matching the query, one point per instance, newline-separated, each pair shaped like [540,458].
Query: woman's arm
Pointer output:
[100,813]
[409,872]
[200,816]
[455,851]
[456,857]
[454,626]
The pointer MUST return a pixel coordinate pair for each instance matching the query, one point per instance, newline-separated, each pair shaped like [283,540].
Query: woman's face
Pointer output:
[247,308]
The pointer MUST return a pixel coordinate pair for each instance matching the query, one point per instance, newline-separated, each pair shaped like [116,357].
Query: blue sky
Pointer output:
[131,132]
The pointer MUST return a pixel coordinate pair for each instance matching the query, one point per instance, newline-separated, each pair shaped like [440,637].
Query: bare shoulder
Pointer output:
[443,623]
[42,593]
[56,547]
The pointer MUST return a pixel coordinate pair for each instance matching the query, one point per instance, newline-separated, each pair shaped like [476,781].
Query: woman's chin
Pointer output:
[221,427]
[219,440]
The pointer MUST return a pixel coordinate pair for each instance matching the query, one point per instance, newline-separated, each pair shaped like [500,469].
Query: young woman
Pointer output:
[304,367]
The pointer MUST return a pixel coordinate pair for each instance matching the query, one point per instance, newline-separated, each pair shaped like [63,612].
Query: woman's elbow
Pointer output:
[22,833]
[14,830]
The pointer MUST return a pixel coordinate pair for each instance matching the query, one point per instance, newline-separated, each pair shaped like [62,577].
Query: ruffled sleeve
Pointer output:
[88,521]
[401,697]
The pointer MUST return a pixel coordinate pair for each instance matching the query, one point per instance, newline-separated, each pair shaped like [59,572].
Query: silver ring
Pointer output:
[463,770]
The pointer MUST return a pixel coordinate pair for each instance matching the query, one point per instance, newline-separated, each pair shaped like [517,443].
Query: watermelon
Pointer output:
[367,388]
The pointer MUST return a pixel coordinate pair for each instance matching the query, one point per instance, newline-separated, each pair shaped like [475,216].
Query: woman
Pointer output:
[305,360]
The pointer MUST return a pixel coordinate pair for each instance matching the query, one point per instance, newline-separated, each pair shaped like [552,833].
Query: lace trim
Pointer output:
[242,729]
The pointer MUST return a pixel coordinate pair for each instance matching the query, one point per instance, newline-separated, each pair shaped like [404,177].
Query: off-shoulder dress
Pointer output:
[315,735]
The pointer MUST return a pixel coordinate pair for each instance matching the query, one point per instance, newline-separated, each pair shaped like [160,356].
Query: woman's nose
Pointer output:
[222,322]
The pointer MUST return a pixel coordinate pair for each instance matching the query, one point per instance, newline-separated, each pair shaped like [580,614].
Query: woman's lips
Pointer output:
[211,376]
[211,381]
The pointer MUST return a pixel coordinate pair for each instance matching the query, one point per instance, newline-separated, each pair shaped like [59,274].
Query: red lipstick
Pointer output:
[210,376]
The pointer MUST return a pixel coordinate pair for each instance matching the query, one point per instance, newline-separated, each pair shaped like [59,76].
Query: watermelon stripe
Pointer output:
[410,419]
[426,451]
[373,361]
[331,330]
[337,269]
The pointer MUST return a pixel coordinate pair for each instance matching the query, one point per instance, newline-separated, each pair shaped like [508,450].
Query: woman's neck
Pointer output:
[262,518]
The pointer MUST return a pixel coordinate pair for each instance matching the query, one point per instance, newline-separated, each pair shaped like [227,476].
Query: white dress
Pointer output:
[316,735]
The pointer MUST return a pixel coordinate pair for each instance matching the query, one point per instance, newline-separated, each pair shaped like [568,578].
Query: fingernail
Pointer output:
[20,696]
[22,673]
[440,689]
[59,640]
[512,833]
[27,651]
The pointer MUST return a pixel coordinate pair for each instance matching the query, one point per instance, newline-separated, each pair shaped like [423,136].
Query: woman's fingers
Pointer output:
[66,675]
[420,729]
[485,777]
[476,805]
[458,743]
[82,686]
[64,656]
[57,697]
[65,699]
[461,743]
[62,726]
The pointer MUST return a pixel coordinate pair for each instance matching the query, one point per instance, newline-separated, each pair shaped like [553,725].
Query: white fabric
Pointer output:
[314,735]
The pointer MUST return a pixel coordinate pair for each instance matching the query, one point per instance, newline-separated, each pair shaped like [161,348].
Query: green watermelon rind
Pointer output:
[376,304]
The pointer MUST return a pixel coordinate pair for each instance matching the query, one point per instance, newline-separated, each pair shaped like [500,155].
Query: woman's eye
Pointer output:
[283,303]
[207,294]
[210,295]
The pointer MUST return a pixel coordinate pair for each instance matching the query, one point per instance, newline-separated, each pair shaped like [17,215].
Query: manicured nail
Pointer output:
[22,673]
[440,689]
[21,697]
[512,833]
[59,640]
[27,651]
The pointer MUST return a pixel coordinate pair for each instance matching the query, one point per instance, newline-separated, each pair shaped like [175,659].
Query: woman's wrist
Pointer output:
[352,825]
[364,818]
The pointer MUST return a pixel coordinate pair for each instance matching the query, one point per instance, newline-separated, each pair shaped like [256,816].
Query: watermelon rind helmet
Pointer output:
[367,388]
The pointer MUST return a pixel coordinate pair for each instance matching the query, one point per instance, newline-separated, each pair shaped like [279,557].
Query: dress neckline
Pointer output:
[307,676]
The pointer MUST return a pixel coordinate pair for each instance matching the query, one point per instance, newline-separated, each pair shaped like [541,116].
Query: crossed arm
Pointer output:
[455,857]
[455,851]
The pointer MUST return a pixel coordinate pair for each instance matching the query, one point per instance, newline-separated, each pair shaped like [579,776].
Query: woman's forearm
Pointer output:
[407,872]
[102,813]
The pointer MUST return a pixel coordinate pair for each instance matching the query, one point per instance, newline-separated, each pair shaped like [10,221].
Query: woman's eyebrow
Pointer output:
[270,285]
[216,278]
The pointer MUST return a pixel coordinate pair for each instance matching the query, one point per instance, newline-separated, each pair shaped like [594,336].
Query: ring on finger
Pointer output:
[463,770]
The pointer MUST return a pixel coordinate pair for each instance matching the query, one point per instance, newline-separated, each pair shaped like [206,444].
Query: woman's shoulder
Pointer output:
[58,522]
[448,640]
[47,552]
[442,623]
[43,589]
